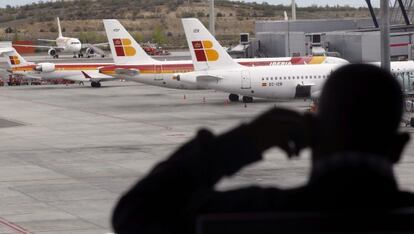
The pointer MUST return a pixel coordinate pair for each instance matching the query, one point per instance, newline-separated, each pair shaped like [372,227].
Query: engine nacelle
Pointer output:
[90,51]
[52,52]
[45,67]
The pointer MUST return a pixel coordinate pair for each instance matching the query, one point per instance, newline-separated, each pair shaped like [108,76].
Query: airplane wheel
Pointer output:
[233,97]
[96,84]
[247,99]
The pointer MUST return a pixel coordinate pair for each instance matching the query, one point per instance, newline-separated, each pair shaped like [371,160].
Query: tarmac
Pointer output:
[68,152]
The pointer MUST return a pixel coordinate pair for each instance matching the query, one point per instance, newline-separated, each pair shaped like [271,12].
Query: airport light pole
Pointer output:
[385,35]
[212,19]
[293,10]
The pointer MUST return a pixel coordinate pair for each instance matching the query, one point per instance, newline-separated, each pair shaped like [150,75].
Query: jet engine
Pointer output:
[45,67]
[52,52]
[90,51]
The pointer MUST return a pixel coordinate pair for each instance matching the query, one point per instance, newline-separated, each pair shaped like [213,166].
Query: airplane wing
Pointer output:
[95,48]
[46,40]
[76,78]
[97,77]
[101,44]
[40,46]
[26,76]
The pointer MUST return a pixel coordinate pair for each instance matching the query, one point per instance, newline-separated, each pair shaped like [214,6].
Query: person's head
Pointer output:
[360,109]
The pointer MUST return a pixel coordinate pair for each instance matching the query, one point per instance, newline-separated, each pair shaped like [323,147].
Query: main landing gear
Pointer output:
[235,98]
[247,99]
[95,84]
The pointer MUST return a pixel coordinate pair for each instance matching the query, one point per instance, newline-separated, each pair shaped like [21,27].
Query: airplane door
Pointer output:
[158,72]
[246,82]
[303,91]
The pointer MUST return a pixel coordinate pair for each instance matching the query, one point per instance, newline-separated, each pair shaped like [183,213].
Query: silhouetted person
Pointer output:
[354,139]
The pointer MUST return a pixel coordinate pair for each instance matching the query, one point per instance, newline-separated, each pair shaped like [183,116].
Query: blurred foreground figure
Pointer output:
[354,140]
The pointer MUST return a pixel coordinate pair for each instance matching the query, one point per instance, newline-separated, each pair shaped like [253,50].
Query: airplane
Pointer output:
[68,45]
[133,63]
[19,67]
[215,69]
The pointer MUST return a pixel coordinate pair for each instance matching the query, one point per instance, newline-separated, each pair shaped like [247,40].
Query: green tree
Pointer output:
[158,36]
[138,37]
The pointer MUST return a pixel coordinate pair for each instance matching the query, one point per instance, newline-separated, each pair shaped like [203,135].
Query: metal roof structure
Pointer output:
[401,12]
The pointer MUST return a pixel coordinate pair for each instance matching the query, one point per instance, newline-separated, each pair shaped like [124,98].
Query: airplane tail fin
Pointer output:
[205,50]
[59,28]
[124,48]
[13,58]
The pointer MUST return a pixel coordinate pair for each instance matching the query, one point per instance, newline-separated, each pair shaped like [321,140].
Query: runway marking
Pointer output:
[13,227]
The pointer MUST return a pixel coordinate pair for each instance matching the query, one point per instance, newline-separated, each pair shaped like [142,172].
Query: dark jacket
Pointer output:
[171,196]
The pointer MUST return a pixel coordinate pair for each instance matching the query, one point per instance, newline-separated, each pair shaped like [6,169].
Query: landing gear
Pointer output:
[56,56]
[247,99]
[80,55]
[95,84]
[233,97]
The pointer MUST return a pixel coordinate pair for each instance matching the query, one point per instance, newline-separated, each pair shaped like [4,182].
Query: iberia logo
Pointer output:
[204,52]
[123,47]
[14,60]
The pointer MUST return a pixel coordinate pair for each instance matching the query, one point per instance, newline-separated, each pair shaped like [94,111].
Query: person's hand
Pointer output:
[283,128]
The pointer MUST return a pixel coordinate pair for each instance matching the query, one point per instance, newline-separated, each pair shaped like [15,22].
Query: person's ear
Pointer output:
[398,144]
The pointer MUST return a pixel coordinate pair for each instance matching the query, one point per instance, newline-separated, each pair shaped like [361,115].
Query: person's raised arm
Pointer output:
[160,202]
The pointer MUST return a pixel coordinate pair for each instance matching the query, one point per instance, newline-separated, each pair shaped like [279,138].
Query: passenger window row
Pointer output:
[295,77]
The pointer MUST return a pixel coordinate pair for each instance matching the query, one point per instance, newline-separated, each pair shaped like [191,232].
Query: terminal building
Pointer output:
[357,40]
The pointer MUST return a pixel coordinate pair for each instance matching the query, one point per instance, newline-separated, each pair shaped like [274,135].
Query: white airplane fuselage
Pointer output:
[69,45]
[263,82]
[68,71]
[280,82]
[163,73]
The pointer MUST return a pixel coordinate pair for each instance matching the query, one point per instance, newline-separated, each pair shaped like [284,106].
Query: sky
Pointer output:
[3,3]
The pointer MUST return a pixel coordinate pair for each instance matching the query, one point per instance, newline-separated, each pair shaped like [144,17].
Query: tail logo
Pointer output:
[123,47]
[14,60]
[204,52]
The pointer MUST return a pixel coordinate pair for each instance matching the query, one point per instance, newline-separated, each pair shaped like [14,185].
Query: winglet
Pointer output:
[124,48]
[205,50]
[86,75]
